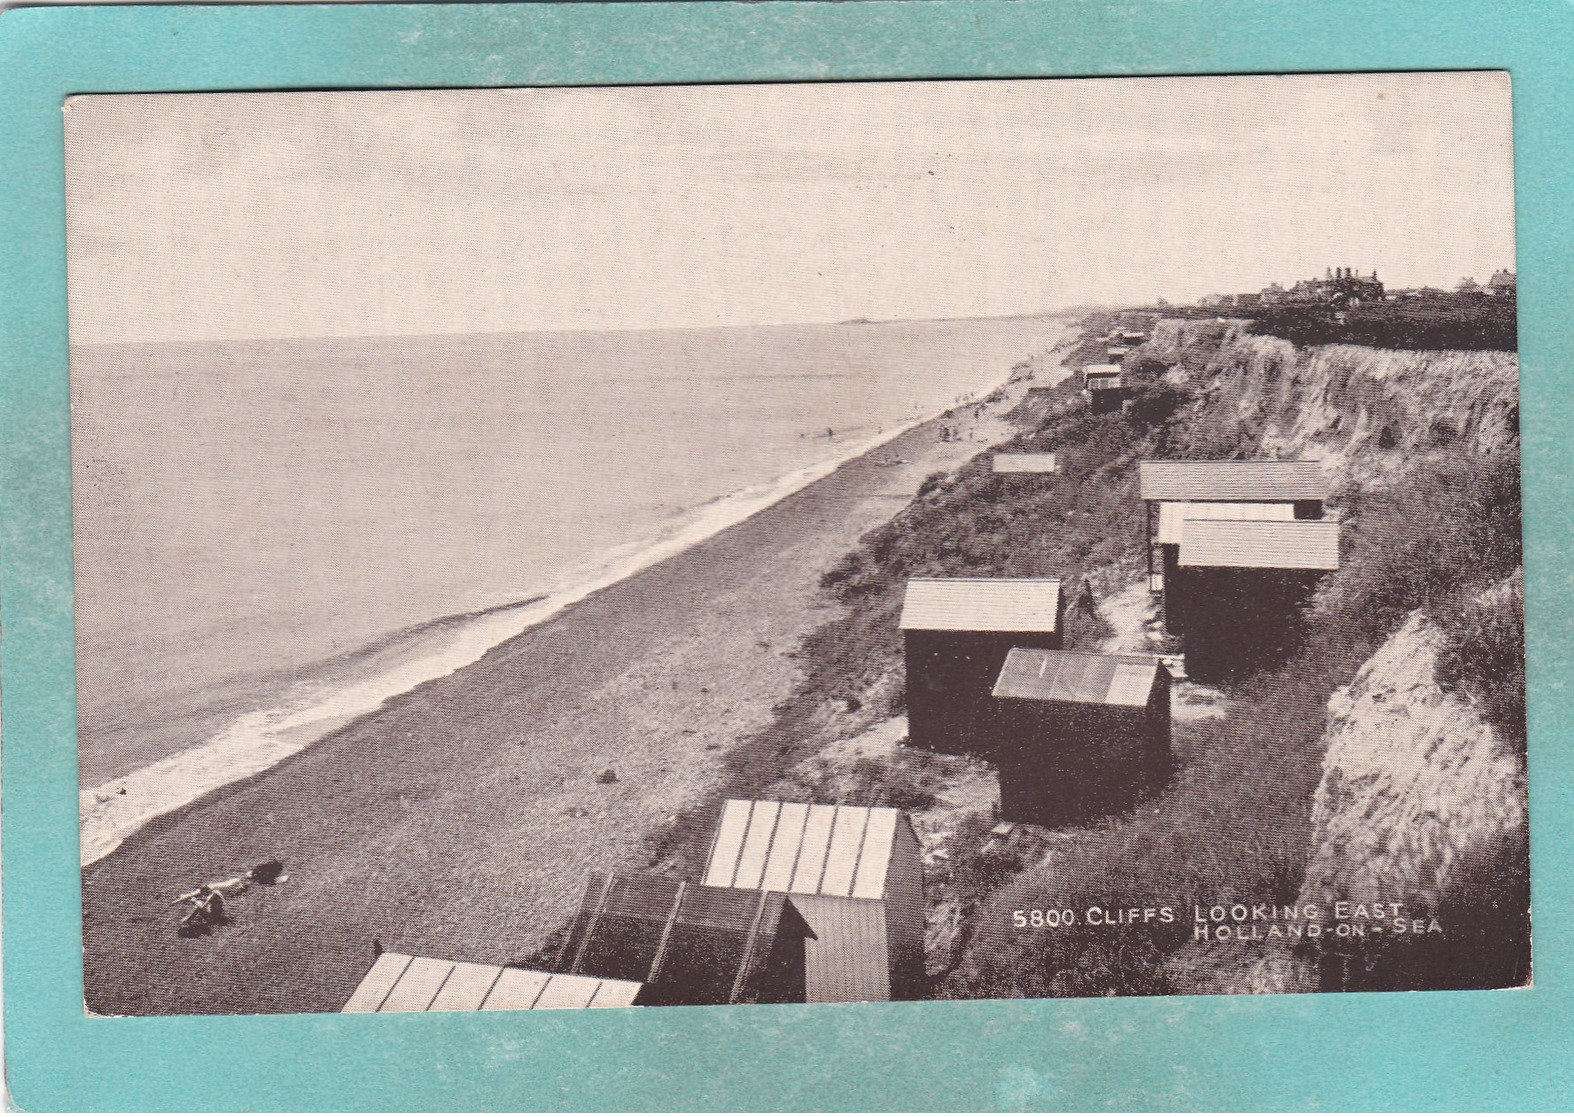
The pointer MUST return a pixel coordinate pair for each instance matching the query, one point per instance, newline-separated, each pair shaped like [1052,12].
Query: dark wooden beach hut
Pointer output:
[1081,733]
[405,983]
[957,633]
[1104,388]
[855,875]
[1270,486]
[686,943]
[1239,589]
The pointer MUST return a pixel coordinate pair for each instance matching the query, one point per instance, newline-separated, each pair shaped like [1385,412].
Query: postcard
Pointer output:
[804,542]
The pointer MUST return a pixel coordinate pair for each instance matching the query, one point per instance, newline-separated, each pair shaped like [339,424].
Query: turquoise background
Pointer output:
[1362,1052]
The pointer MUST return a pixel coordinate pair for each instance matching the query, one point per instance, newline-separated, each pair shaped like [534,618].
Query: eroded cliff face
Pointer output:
[1364,411]
[1422,802]
[1415,785]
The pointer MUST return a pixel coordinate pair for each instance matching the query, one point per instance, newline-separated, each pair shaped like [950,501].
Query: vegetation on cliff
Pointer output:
[1424,451]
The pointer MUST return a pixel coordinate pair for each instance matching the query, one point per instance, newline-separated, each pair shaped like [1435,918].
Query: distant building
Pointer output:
[686,943]
[1299,487]
[1339,289]
[1080,733]
[402,983]
[1503,283]
[855,875]
[1239,588]
[1024,463]
[1103,385]
[1469,286]
[958,632]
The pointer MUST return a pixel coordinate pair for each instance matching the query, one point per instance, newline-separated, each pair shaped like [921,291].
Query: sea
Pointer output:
[274,537]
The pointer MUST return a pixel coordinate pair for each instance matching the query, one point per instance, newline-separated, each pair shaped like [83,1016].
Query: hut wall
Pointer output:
[845,955]
[1174,593]
[1070,762]
[950,676]
[904,914]
[1237,621]
[1105,401]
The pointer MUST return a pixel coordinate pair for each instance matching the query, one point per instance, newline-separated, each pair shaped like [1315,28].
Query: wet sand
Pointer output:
[460,820]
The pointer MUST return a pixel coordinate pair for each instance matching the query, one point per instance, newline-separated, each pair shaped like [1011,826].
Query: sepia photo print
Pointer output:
[825,542]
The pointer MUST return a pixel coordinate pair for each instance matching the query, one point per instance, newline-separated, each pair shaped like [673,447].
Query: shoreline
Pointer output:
[114,810]
[461,817]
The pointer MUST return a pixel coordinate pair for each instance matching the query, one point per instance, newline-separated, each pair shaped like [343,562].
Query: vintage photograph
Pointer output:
[622,547]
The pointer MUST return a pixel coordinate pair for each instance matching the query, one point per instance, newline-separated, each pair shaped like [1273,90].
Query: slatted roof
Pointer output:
[981,605]
[1025,463]
[405,983]
[818,850]
[1101,370]
[1099,680]
[1226,482]
[1174,514]
[687,943]
[1289,545]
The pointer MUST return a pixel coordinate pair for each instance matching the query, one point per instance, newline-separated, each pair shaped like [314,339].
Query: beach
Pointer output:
[460,818]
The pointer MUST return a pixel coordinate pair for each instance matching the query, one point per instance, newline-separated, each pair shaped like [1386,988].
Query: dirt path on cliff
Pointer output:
[460,820]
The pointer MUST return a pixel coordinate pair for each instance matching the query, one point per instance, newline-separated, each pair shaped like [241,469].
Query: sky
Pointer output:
[277,215]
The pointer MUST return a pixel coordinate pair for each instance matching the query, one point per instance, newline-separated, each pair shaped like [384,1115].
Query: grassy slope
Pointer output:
[1234,821]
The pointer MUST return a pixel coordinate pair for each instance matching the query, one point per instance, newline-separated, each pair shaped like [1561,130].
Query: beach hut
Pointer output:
[1080,733]
[405,983]
[1104,388]
[1024,463]
[1172,520]
[686,943]
[1270,486]
[855,875]
[1239,587]
[1117,353]
[957,632]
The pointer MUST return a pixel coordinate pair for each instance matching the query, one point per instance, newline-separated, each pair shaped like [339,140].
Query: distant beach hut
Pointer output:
[686,943]
[1103,385]
[1080,733]
[1133,337]
[405,983]
[855,875]
[1024,463]
[1117,353]
[957,633]
[1271,486]
[1238,588]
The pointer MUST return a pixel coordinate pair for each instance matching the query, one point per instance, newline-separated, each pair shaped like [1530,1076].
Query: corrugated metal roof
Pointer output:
[818,850]
[685,942]
[1100,370]
[981,605]
[1025,463]
[1233,481]
[1291,545]
[404,983]
[1174,514]
[1101,680]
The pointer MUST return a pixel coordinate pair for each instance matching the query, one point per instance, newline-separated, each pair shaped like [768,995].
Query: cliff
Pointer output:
[1364,411]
